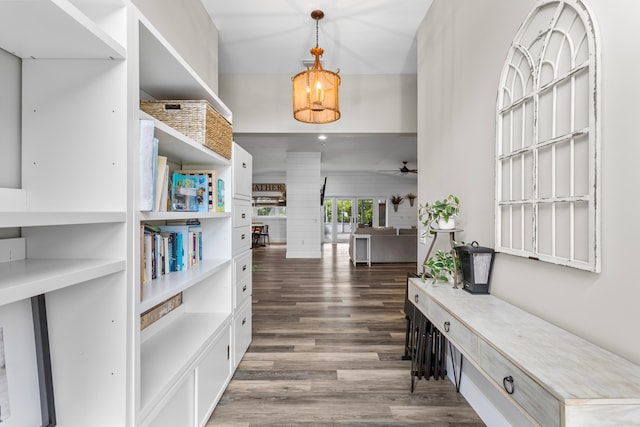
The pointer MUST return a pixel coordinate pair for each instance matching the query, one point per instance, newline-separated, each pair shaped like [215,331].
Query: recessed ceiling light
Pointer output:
[322,137]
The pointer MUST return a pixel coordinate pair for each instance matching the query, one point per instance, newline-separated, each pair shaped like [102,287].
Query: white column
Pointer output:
[304,215]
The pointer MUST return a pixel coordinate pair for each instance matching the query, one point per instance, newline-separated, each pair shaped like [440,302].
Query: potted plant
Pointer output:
[411,198]
[441,267]
[439,214]
[396,200]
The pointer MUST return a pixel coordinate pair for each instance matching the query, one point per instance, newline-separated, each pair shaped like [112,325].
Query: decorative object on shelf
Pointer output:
[160,310]
[442,267]
[196,119]
[439,215]
[315,90]
[183,193]
[220,192]
[396,201]
[207,189]
[411,198]
[476,264]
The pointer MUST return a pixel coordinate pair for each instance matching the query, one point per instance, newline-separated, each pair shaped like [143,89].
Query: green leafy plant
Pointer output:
[441,266]
[430,213]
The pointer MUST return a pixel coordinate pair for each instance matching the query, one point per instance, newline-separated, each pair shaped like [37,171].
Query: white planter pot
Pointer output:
[446,225]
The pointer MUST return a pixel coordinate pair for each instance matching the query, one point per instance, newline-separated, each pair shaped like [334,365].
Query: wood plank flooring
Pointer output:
[328,340]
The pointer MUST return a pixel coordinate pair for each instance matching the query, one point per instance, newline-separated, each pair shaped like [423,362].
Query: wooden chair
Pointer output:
[264,235]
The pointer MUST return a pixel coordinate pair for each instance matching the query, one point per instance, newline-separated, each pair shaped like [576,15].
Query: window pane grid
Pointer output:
[546,140]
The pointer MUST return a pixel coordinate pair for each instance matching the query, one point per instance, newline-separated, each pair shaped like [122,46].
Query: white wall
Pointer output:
[10,129]
[377,186]
[10,136]
[188,28]
[262,104]
[374,186]
[462,46]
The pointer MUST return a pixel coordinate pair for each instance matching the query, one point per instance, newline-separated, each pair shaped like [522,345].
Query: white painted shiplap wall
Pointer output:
[374,186]
[304,219]
[377,186]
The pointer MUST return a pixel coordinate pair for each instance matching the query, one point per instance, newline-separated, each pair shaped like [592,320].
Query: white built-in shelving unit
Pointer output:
[67,219]
[71,229]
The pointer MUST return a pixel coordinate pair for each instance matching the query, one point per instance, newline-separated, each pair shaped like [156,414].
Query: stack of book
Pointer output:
[176,246]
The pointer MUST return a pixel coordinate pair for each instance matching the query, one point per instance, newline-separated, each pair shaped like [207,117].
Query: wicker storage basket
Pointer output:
[196,119]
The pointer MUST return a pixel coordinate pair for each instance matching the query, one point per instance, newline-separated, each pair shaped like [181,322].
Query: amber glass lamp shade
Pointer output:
[315,90]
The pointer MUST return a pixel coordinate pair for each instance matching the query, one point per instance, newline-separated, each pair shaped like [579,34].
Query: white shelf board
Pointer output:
[171,352]
[162,216]
[30,277]
[35,219]
[164,74]
[182,149]
[53,29]
[158,290]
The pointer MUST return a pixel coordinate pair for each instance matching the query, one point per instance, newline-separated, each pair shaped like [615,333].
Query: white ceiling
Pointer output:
[358,36]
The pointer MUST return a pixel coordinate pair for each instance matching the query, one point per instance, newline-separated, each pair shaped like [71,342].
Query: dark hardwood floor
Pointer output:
[327,349]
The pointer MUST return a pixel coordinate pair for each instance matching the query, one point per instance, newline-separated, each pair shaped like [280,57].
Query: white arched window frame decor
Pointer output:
[547,139]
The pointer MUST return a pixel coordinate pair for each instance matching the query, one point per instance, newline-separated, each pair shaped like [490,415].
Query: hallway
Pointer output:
[327,345]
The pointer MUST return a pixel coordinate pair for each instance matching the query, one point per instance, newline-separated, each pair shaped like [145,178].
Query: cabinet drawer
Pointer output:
[456,332]
[242,279]
[241,239]
[242,331]
[242,267]
[241,213]
[243,292]
[534,399]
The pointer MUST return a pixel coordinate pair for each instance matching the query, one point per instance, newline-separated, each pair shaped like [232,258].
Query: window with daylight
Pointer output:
[547,139]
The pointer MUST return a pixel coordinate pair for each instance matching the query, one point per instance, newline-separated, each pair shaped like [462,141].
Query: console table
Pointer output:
[554,377]
[357,254]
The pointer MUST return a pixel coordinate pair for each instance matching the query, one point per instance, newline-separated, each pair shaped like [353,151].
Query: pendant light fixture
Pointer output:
[315,90]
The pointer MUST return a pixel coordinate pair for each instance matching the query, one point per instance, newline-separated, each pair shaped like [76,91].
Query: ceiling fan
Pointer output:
[405,170]
[400,171]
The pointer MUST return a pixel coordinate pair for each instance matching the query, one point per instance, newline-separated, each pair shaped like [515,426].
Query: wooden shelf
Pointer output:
[158,290]
[172,351]
[44,29]
[30,277]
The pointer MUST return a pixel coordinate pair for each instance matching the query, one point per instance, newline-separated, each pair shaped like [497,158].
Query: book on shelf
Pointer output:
[160,185]
[142,260]
[164,194]
[157,312]
[206,188]
[183,193]
[220,202]
[148,152]
[188,239]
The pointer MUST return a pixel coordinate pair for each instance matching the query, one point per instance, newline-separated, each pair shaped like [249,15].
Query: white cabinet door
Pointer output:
[242,172]
[212,374]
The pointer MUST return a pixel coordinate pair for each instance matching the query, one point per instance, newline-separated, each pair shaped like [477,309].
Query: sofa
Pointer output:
[388,244]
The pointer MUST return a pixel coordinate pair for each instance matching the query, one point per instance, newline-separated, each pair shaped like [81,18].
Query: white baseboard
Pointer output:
[304,254]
